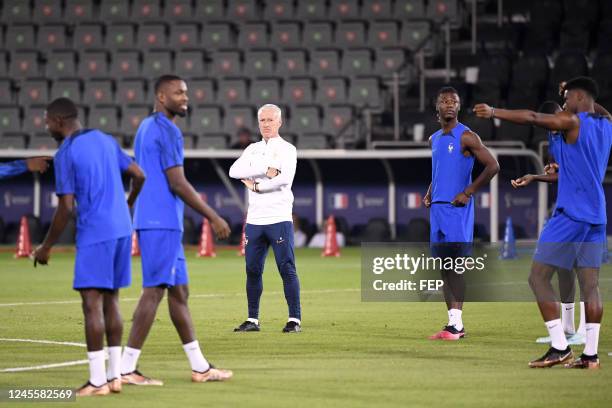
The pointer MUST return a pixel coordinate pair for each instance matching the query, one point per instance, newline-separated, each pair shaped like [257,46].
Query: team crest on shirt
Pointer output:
[451,147]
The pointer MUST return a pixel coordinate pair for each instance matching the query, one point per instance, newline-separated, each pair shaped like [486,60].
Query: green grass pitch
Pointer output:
[350,353]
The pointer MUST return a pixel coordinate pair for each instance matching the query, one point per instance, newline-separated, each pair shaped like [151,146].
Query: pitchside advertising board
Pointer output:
[357,204]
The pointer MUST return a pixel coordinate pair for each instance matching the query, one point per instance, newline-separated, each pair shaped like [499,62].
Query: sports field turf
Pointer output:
[350,353]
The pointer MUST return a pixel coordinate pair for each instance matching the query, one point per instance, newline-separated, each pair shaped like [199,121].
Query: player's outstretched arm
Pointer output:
[63,213]
[138,179]
[561,121]
[181,187]
[40,164]
[246,167]
[525,180]
[471,142]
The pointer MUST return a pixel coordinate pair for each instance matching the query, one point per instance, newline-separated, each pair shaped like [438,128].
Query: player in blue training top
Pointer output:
[158,220]
[449,199]
[18,167]
[576,233]
[88,167]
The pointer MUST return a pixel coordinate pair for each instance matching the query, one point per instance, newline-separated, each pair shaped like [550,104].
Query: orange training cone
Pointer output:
[331,244]
[242,241]
[207,246]
[24,245]
[135,247]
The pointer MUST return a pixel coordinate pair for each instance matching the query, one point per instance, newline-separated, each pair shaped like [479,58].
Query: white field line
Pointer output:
[41,367]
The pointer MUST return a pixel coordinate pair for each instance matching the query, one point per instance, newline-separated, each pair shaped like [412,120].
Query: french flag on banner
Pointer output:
[340,201]
[413,200]
[484,200]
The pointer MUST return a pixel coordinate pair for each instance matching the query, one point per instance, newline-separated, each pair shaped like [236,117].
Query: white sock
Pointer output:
[253,320]
[567,318]
[592,338]
[129,360]
[114,363]
[195,356]
[454,318]
[581,327]
[294,319]
[555,330]
[97,375]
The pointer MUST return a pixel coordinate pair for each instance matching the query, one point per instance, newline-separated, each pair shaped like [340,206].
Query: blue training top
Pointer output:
[158,147]
[89,164]
[582,167]
[13,168]
[451,171]
[554,141]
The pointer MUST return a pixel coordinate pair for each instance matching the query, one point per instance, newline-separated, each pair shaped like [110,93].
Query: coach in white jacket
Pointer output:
[267,169]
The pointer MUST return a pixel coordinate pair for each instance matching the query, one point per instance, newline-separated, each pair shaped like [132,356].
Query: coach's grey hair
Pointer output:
[276,109]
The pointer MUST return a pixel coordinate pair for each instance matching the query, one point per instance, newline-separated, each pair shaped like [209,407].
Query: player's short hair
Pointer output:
[62,108]
[163,80]
[447,89]
[583,83]
[549,107]
[276,109]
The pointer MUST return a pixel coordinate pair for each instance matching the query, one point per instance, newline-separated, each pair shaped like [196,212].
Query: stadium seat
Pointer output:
[388,61]
[6,90]
[574,36]
[238,117]
[145,10]
[16,11]
[518,99]
[350,34]
[20,36]
[24,64]
[34,119]
[312,141]
[601,73]
[42,141]
[383,34]
[253,35]
[279,10]
[377,10]
[189,64]
[184,36]
[409,9]
[10,141]
[130,91]
[582,11]
[242,10]
[265,91]
[217,35]
[88,35]
[441,10]
[114,11]
[47,11]
[317,34]
[483,128]
[417,230]
[176,10]
[285,35]
[376,230]
[568,65]
[98,91]
[105,118]
[209,10]
[512,131]
[4,68]
[232,91]
[530,71]
[332,90]
[365,92]
[51,36]
[487,91]
[33,91]
[291,63]
[126,63]
[413,34]
[357,62]
[226,63]
[311,10]
[152,35]
[324,62]
[78,10]
[258,63]
[208,142]
[337,121]
[66,88]
[9,119]
[157,63]
[305,119]
[494,68]
[344,10]
[205,119]
[61,64]
[298,91]
[201,91]
[120,35]
[131,116]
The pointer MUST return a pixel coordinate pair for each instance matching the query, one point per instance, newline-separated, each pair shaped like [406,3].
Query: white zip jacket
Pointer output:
[274,201]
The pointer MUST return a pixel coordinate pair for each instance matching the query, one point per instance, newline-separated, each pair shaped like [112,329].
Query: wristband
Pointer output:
[256,187]
[492,112]
[468,195]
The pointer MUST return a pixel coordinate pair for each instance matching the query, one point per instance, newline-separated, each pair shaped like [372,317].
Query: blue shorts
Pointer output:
[567,243]
[162,257]
[451,229]
[104,265]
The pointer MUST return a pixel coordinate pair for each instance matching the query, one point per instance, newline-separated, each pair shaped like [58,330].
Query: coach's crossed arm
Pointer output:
[246,167]
[288,164]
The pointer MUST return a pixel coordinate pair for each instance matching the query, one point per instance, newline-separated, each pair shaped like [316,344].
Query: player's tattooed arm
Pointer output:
[62,215]
[561,121]
[471,142]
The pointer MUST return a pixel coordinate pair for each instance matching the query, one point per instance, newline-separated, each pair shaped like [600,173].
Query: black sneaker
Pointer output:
[247,326]
[584,361]
[552,357]
[292,327]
